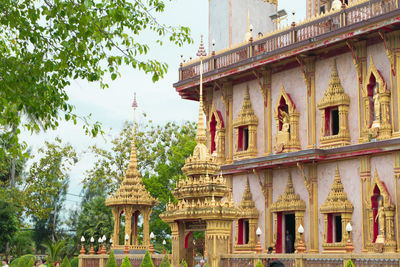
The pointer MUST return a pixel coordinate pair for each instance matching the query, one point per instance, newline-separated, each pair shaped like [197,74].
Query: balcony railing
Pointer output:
[312,260]
[357,13]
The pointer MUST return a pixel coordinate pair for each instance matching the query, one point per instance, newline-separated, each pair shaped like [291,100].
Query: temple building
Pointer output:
[302,131]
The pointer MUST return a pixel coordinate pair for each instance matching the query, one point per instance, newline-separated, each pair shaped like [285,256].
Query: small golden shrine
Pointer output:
[204,204]
[132,199]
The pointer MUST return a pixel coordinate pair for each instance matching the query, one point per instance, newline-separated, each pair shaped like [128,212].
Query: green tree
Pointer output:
[126,262]
[259,264]
[165,262]
[147,262]
[95,219]
[46,44]
[22,243]
[161,152]
[65,262]
[8,223]
[111,262]
[54,250]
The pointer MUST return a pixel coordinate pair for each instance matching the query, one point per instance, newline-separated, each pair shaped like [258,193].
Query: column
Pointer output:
[178,242]
[146,232]
[313,211]
[365,179]
[266,91]
[217,239]
[227,98]
[128,224]
[359,53]
[117,221]
[268,214]
[392,45]
[397,196]
[308,69]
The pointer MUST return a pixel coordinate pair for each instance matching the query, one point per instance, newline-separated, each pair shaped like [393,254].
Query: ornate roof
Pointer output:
[247,204]
[337,201]
[288,201]
[132,191]
[202,194]
[334,95]
[246,115]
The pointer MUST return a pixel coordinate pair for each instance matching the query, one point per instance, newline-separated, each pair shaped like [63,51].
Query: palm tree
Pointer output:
[54,250]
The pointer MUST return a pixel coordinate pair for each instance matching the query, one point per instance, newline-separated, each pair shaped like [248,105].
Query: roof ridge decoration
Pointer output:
[247,204]
[289,200]
[132,190]
[337,201]
[246,114]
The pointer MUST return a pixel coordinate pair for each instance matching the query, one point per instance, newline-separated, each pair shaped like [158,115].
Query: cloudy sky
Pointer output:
[112,106]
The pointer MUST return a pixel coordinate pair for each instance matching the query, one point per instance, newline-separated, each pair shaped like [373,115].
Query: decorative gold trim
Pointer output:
[335,97]
[250,212]
[219,134]
[336,203]
[380,128]
[286,139]
[289,201]
[385,241]
[246,117]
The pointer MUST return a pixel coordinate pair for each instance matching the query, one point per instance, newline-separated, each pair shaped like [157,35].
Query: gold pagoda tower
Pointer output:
[204,202]
[133,200]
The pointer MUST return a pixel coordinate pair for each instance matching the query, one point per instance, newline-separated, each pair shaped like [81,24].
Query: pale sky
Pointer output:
[112,106]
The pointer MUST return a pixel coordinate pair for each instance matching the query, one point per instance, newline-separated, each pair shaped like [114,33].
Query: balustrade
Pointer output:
[274,43]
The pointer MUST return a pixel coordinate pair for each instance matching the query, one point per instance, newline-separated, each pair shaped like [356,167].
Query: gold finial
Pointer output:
[132,167]
[201,132]
[248,20]
[337,174]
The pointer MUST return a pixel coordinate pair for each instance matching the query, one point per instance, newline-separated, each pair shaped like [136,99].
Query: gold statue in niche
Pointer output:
[376,106]
[380,216]
[287,122]
[282,137]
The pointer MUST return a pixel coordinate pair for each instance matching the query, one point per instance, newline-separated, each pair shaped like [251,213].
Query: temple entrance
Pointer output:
[194,246]
[290,232]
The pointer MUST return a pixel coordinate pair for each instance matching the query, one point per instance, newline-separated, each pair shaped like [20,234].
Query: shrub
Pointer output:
[165,262]
[31,262]
[259,264]
[65,262]
[147,262]
[206,265]
[75,262]
[111,262]
[126,263]
[183,263]
[14,263]
[24,261]
[350,264]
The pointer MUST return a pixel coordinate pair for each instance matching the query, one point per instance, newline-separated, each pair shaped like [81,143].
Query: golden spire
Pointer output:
[132,190]
[133,167]
[201,137]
